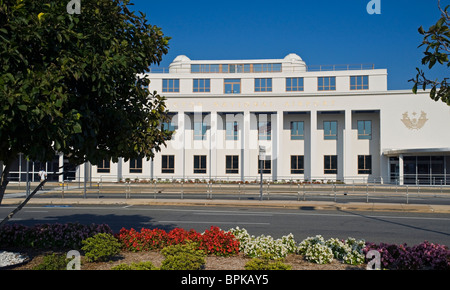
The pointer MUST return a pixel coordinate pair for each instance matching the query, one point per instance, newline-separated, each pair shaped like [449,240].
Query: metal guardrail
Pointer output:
[299,191]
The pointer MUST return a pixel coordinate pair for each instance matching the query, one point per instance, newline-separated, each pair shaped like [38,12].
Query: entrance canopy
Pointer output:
[418,151]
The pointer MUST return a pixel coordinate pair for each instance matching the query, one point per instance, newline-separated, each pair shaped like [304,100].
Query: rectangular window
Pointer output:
[364,164]
[136,165]
[266,165]
[297,130]
[297,164]
[167,126]
[359,82]
[200,130]
[264,131]
[263,85]
[330,130]
[232,86]
[294,84]
[103,166]
[330,164]
[168,164]
[326,84]
[199,163]
[171,86]
[202,85]
[231,131]
[266,67]
[232,164]
[365,130]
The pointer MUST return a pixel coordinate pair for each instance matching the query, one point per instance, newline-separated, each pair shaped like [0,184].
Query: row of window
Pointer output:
[233,86]
[236,68]
[330,131]
[330,164]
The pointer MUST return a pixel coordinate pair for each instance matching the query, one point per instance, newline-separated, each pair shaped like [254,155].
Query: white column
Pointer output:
[313,158]
[400,169]
[181,142]
[245,160]
[213,146]
[276,145]
[348,164]
[120,169]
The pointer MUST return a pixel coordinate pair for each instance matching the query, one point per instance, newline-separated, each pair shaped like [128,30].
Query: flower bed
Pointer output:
[213,241]
[49,236]
[402,257]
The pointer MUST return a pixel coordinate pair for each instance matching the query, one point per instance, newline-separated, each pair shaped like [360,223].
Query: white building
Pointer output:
[316,123]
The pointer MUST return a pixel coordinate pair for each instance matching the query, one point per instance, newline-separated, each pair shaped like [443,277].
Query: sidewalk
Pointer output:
[300,205]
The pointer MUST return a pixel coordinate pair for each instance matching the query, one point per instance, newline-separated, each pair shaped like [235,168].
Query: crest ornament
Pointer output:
[416,122]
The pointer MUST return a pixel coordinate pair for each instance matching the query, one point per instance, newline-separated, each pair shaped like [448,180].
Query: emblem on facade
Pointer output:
[416,122]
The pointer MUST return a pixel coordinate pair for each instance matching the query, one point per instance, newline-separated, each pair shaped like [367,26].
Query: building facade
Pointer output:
[315,123]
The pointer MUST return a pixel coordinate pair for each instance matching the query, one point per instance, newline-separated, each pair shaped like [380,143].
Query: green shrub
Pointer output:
[53,262]
[136,266]
[101,247]
[183,257]
[266,264]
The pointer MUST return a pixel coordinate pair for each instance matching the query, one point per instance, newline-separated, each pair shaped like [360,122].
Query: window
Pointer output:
[359,82]
[326,84]
[202,85]
[232,131]
[267,67]
[297,130]
[169,126]
[364,130]
[364,164]
[294,84]
[171,85]
[136,165]
[205,68]
[263,85]
[266,166]
[330,130]
[199,130]
[103,166]
[264,131]
[297,165]
[232,164]
[232,86]
[330,164]
[168,164]
[199,163]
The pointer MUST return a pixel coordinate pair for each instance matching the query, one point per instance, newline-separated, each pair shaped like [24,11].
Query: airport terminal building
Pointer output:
[314,123]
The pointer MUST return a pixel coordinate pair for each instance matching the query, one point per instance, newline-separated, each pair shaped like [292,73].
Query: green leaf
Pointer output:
[22,107]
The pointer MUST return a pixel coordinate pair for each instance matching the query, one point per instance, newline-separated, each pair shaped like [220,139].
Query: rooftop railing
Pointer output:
[310,68]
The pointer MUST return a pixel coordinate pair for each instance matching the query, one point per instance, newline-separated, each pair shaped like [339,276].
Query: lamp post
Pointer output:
[262,157]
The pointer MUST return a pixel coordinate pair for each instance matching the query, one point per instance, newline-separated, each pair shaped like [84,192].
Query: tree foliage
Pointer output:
[437,42]
[74,84]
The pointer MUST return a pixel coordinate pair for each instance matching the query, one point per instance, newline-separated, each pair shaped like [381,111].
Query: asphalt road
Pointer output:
[389,227]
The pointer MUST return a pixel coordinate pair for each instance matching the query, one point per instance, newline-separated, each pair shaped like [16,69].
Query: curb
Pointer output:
[300,205]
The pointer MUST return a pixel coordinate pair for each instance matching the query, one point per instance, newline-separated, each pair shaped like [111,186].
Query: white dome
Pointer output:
[293,57]
[182,58]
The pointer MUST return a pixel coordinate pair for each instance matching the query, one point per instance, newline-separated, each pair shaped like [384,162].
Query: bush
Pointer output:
[265,263]
[53,262]
[217,242]
[49,236]
[183,257]
[420,257]
[263,245]
[135,266]
[101,247]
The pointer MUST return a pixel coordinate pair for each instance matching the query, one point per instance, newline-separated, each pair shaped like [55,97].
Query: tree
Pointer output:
[437,42]
[75,84]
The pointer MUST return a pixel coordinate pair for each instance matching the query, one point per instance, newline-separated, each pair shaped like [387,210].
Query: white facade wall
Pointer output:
[388,112]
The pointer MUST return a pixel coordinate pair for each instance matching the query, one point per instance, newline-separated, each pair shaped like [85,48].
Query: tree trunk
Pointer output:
[4,179]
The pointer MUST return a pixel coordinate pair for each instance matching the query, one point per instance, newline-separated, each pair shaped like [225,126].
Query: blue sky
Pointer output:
[322,32]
